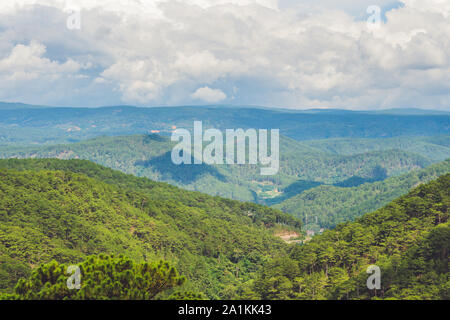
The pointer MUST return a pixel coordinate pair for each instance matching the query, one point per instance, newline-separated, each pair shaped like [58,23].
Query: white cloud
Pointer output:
[281,53]
[27,63]
[25,70]
[209,95]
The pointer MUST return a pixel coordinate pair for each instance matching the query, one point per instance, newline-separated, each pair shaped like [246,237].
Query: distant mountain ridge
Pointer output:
[35,125]
[18,105]
[407,111]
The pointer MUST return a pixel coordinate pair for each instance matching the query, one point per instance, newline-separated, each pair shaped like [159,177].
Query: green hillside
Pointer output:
[409,240]
[436,148]
[327,206]
[68,210]
[150,156]
[66,216]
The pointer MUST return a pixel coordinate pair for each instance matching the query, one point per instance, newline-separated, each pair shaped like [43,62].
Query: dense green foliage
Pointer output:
[435,148]
[297,189]
[150,156]
[100,278]
[409,240]
[67,210]
[327,206]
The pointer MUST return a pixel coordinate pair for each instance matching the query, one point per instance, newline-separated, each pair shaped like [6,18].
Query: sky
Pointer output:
[277,53]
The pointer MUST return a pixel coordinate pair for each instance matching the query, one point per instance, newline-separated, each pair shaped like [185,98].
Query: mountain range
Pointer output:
[40,125]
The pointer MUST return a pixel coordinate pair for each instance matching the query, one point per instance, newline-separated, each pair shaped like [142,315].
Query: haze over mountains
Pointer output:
[61,125]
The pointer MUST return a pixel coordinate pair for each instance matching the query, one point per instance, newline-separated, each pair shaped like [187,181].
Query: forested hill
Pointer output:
[67,210]
[409,240]
[150,156]
[435,148]
[326,206]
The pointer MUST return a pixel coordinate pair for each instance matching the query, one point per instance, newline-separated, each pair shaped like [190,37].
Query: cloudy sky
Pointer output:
[286,53]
